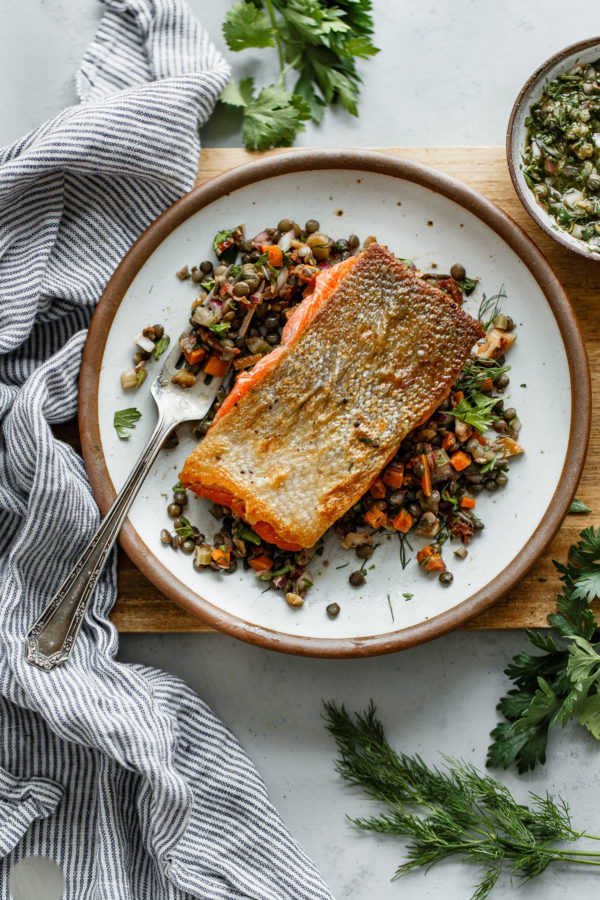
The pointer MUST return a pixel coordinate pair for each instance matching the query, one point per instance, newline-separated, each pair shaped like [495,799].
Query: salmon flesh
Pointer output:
[366,358]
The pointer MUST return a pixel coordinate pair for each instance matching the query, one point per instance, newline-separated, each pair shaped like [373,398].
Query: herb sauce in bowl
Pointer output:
[561,159]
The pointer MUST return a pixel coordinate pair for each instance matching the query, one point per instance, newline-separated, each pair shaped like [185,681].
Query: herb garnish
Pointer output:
[161,346]
[320,41]
[578,507]
[220,327]
[283,571]
[245,533]
[391,607]
[124,420]
[490,307]
[477,373]
[563,682]
[479,415]
[458,811]
[404,543]
[185,530]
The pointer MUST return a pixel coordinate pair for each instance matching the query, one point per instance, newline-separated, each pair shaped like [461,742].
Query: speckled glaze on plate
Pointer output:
[418,213]
[582,52]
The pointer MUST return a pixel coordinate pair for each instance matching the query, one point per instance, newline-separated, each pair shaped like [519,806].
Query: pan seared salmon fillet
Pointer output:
[367,357]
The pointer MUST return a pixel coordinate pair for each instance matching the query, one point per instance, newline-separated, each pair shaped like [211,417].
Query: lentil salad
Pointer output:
[428,491]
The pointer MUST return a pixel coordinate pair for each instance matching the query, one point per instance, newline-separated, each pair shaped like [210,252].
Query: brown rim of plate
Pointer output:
[303,161]
[555,234]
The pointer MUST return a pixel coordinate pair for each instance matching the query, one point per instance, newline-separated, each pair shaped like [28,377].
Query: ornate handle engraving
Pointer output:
[51,638]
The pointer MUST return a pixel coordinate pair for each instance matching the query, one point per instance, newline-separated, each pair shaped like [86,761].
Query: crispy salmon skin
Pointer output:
[364,364]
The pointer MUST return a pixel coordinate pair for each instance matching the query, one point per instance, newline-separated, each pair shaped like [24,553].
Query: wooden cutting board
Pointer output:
[141,607]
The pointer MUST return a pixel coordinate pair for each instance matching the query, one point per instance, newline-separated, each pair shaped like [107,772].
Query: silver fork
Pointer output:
[50,640]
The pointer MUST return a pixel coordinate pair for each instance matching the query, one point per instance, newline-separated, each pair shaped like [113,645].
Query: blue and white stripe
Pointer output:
[118,772]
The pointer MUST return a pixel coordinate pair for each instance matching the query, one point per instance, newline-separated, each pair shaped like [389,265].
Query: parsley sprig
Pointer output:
[458,811]
[478,413]
[124,420]
[562,682]
[319,41]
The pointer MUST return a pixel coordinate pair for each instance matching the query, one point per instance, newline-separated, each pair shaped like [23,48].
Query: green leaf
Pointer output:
[479,415]
[184,530]
[246,26]
[161,346]
[358,46]
[588,585]
[124,420]
[312,22]
[488,466]
[220,327]
[589,715]
[244,532]
[227,254]
[561,683]
[232,94]
[305,89]
[578,507]
[274,118]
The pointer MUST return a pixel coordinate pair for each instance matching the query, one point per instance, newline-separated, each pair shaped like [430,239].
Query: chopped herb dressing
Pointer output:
[561,161]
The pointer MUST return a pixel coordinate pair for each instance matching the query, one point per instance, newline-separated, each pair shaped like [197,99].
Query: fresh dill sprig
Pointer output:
[404,543]
[476,374]
[458,811]
[490,307]
[563,681]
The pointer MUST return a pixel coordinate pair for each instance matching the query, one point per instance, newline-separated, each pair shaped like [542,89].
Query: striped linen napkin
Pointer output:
[117,772]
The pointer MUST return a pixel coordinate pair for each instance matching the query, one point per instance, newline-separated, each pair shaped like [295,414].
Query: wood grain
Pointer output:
[141,608]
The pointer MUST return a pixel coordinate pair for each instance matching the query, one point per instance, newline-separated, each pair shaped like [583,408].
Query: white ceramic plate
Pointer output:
[436,222]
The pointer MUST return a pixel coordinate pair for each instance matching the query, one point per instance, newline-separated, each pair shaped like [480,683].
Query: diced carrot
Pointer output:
[434,563]
[467,502]
[458,397]
[426,479]
[429,560]
[261,563]
[377,489]
[275,256]
[403,521]
[482,439]
[375,517]
[449,441]
[215,366]
[486,385]
[423,553]
[460,460]
[394,475]
[221,557]
[195,355]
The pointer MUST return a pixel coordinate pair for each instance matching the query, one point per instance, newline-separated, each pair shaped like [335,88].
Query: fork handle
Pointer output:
[50,640]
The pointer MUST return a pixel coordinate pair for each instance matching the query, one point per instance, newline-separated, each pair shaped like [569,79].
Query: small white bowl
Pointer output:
[582,52]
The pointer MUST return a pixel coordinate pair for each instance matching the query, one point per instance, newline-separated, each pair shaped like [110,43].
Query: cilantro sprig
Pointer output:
[319,41]
[562,682]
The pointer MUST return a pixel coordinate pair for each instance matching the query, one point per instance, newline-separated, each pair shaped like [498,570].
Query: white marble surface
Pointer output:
[447,74]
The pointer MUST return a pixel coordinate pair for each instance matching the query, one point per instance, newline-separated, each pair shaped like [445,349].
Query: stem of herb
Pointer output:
[271,14]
